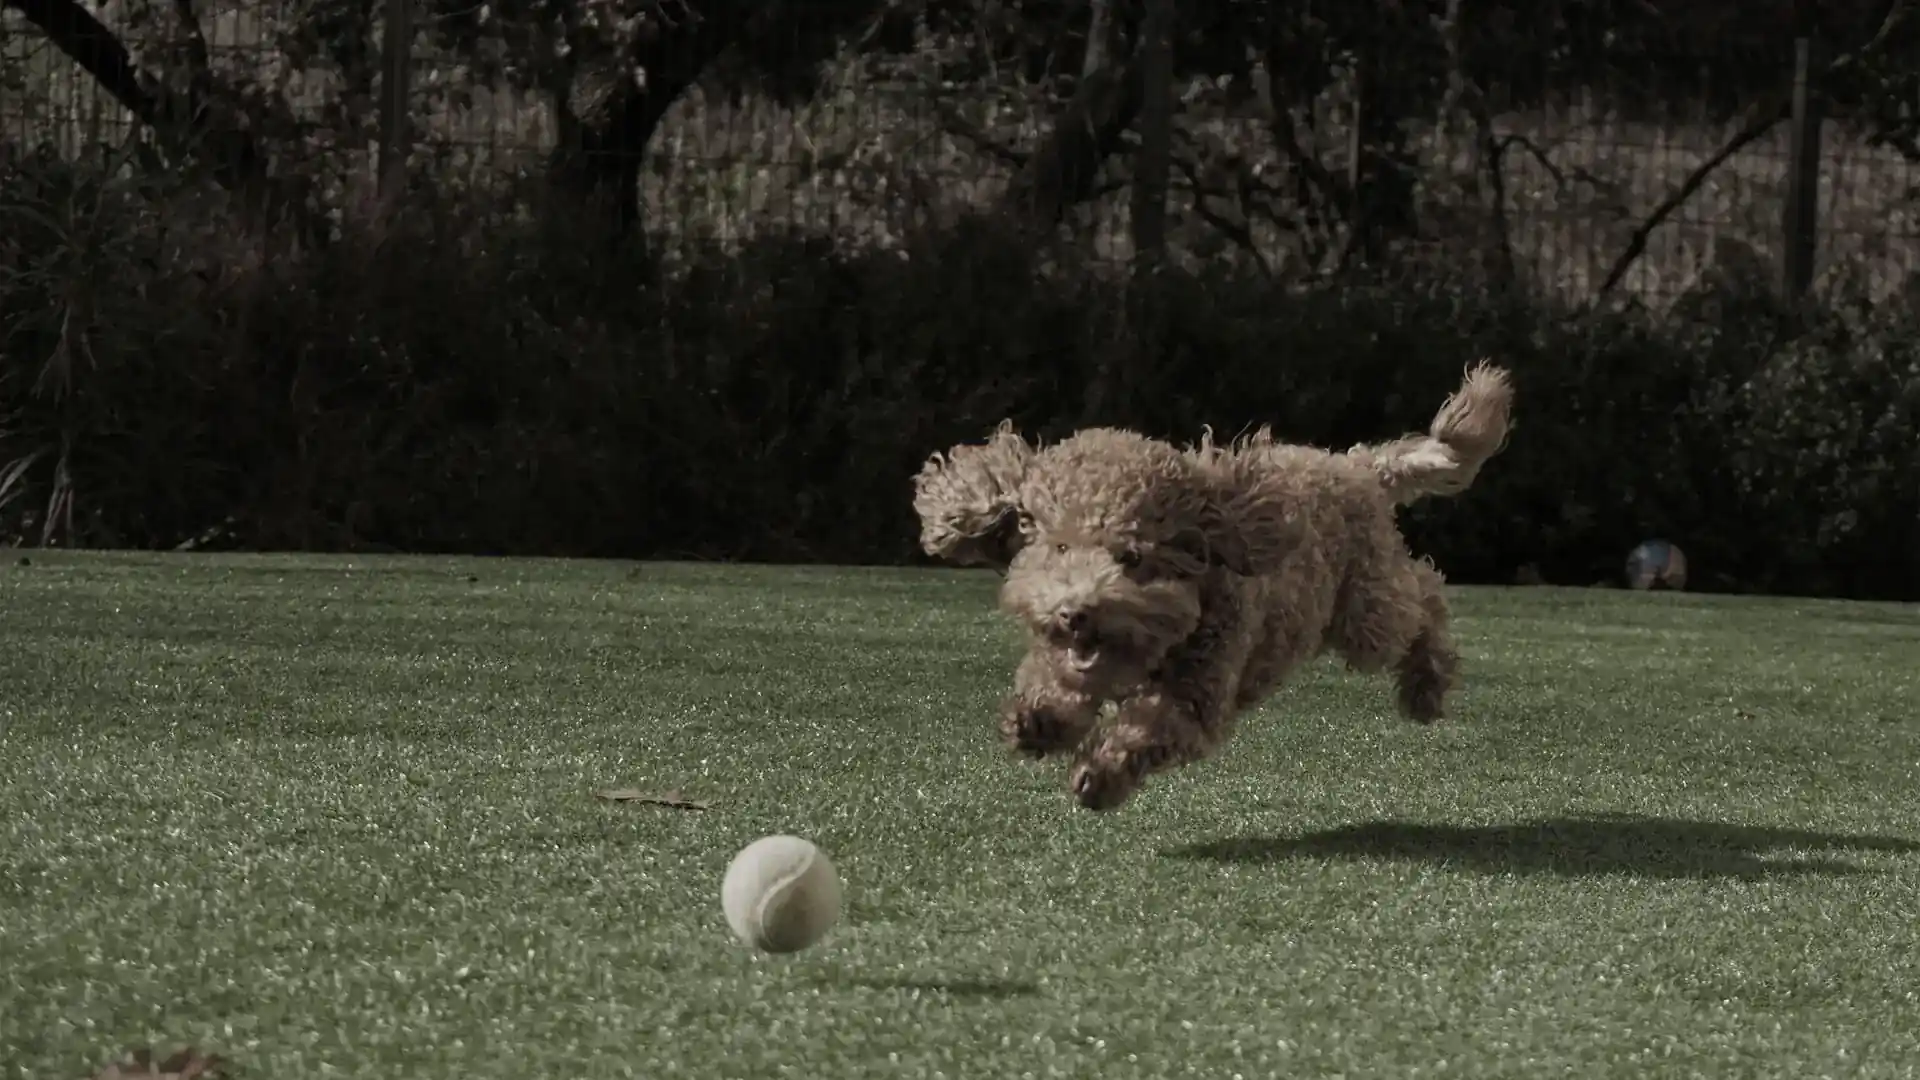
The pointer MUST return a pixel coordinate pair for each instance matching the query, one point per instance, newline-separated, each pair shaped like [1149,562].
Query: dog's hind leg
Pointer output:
[1393,614]
[1430,668]
[1378,614]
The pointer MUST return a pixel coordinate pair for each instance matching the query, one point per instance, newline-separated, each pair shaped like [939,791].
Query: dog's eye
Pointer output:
[1061,548]
[1128,557]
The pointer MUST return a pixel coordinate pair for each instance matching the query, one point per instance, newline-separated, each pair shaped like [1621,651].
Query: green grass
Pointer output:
[334,818]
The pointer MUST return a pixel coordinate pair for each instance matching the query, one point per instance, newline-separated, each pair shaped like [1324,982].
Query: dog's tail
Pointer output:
[1470,428]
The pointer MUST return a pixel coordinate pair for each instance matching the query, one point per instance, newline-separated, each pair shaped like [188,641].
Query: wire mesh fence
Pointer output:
[1575,194]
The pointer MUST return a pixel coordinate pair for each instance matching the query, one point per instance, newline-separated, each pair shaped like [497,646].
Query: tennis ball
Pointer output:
[781,894]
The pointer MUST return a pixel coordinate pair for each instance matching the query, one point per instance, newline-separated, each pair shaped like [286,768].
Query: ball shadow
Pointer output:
[1644,847]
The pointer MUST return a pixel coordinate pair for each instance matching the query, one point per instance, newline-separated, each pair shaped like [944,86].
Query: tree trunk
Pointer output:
[1383,169]
[192,122]
[1114,386]
[602,164]
[1099,37]
[1061,172]
[1151,164]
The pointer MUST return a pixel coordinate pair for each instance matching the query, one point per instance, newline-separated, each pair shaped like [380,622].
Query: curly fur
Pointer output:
[1180,586]
[967,499]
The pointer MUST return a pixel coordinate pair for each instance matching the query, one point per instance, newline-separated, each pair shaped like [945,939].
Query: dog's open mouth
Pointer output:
[1083,657]
[1099,661]
[1084,651]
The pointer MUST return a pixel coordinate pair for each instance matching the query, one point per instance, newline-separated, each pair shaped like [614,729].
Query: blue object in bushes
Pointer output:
[1656,564]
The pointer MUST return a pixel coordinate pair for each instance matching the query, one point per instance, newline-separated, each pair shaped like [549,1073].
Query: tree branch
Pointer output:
[953,123]
[1325,198]
[1896,16]
[97,50]
[1512,139]
[1253,196]
[668,54]
[193,123]
[1063,169]
[1237,232]
[1322,179]
[1761,121]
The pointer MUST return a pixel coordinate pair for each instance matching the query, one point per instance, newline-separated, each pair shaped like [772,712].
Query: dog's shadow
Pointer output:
[1571,847]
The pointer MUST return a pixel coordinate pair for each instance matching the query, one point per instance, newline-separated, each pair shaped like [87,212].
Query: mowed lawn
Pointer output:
[335,817]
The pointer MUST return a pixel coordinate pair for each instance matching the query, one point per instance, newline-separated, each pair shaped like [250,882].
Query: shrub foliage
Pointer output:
[427,385]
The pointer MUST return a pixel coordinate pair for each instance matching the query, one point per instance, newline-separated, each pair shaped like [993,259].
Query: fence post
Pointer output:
[1800,218]
[395,91]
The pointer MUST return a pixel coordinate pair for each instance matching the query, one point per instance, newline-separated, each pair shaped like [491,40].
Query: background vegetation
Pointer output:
[710,278]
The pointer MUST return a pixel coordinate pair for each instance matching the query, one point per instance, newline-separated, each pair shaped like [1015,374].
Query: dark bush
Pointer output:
[429,384]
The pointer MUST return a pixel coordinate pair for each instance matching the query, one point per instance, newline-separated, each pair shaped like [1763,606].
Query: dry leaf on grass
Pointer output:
[187,1064]
[666,798]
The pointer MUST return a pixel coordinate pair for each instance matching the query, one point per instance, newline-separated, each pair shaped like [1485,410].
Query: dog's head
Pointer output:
[1115,538]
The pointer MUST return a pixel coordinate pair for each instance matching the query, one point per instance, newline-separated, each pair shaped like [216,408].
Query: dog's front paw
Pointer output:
[1109,774]
[1039,730]
[1104,782]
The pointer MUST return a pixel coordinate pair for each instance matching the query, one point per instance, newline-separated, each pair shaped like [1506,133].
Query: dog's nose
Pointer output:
[1073,622]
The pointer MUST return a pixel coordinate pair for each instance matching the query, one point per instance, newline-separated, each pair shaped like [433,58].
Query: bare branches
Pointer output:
[200,122]
[957,125]
[1896,17]
[1535,151]
[1327,200]
[1286,139]
[1239,233]
[97,50]
[1063,169]
[1759,122]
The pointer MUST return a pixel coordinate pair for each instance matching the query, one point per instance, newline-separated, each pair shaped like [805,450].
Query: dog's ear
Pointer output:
[968,500]
[1248,521]
[1193,551]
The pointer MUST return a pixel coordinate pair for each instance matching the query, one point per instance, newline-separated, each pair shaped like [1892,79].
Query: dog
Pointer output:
[1179,586]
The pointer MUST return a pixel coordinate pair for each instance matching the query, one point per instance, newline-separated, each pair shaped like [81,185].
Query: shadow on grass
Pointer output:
[1570,847]
[982,989]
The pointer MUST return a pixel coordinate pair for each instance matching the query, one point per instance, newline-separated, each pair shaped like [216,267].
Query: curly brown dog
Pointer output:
[1181,586]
